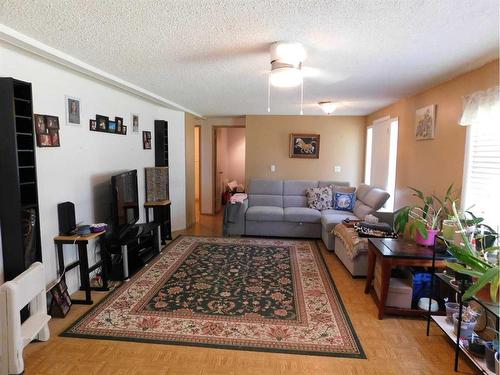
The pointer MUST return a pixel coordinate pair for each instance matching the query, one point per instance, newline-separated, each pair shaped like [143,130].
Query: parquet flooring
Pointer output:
[393,346]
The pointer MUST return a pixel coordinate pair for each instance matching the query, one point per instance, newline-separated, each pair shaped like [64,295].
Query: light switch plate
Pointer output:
[337,169]
[273,168]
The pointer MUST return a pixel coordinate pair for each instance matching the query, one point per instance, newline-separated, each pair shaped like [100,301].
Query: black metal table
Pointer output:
[83,262]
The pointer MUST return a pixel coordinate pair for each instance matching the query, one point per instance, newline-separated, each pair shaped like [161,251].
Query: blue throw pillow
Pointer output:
[344,201]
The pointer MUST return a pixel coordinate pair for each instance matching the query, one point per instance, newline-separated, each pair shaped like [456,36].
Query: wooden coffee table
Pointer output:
[397,252]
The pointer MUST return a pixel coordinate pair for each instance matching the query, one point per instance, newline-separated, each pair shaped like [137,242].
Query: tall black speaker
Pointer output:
[67,219]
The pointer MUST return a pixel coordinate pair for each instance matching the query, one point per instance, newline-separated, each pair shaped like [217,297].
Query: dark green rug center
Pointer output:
[229,279]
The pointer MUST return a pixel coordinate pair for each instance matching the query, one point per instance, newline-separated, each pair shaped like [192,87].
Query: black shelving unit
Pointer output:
[162,216]
[19,213]
[447,327]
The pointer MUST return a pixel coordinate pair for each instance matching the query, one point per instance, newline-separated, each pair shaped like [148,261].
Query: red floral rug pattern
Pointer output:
[245,293]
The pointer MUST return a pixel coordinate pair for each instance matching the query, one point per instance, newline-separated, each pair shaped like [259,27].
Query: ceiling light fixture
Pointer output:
[286,68]
[328,107]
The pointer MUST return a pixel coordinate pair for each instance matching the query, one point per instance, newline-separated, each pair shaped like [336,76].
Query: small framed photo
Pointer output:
[124,129]
[112,127]
[40,125]
[52,122]
[43,140]
[119,124]
[54,138]
[305,146]
[72,110]
[135,123]
[102,123]
[146,140]
[93,125]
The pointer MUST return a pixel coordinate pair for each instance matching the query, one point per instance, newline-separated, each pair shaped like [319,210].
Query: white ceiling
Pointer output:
[212,56]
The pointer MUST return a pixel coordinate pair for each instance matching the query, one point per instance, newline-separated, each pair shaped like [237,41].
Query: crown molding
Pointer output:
[29,44]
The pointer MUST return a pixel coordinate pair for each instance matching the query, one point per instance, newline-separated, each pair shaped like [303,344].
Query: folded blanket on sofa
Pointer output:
[375,226]
[368,231]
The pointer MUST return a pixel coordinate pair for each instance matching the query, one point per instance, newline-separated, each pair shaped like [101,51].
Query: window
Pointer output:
[381,156]
[368,155]
[481,185]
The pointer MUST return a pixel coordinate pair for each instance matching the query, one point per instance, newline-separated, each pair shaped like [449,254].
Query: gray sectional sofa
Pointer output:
[279,208]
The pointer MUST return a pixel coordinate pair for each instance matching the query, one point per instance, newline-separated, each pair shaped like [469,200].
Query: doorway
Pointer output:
[197,172]
[228,161]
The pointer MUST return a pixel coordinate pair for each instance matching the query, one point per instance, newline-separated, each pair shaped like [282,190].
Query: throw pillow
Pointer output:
[344,201]
[319,198]
[341,189]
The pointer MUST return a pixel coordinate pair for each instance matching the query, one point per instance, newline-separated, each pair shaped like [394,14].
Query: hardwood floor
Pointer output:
[393,345]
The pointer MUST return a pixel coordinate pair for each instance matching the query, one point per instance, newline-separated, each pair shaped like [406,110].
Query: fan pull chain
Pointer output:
[269,94]
[302,97]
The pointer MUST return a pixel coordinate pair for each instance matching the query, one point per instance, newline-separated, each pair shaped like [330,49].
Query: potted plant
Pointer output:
[479,264]
[469,320]
[423,221]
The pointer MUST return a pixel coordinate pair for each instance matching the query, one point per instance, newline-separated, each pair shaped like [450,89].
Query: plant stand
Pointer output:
[447,327]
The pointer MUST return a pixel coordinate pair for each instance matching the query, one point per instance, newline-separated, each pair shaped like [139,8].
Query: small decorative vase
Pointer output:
[489,356]
[429,241]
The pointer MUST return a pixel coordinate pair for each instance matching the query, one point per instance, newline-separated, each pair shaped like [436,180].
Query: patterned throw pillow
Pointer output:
[344,201]
[319,198]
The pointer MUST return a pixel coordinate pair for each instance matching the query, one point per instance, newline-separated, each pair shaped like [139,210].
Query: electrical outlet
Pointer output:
[337,169]
[273,168]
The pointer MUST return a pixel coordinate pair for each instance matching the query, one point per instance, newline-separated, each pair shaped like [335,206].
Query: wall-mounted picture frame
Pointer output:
[119,125]
[47,131]
[73,110]
[112,127]
[146,140]
[135,123]
[93,125]
[304,146]
[102,123]
[124,129]
[425,123]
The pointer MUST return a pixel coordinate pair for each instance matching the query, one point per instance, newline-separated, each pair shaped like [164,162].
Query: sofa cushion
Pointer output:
[265,200]
[298,187]
[302,215]
[362,190]
[330,218]
[294,201]
[264,213]
[375,198]
[319,198]
[361,210]
[337,183]
[265,187]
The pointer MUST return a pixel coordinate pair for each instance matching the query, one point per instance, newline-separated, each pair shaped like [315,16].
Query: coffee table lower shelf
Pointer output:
[447,328]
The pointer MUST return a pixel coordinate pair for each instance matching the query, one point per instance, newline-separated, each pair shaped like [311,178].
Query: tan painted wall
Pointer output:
[433,164]
[190,122]
[341,143]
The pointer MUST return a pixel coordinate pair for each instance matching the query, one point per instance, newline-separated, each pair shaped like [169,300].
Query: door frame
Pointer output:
[199,168]
[214,160]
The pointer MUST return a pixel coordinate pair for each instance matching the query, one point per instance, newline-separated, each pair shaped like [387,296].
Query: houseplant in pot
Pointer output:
[422,221]
[479,264]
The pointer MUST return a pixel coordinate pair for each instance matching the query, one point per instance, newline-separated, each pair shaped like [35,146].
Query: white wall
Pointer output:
[79,171]
[207,157]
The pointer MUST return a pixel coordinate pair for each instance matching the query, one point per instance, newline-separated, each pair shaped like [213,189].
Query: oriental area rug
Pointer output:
[233,293]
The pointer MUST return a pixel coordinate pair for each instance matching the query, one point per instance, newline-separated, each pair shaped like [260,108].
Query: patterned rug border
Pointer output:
[322,263]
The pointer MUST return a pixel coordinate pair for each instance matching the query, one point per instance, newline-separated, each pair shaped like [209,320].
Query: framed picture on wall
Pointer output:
[146,140]
[124,129]
[305,146]
[102,123]
[93,125]
[425,123]
[135,123]
[73,110]
[112,128]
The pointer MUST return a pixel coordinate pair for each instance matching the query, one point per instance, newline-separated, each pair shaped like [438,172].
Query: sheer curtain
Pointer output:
[481,185]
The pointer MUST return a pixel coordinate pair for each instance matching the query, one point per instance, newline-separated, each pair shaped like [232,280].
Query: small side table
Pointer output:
[161,214]
[83,262]
[392,253]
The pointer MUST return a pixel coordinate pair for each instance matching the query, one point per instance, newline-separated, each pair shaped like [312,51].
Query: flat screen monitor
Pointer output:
[125,200]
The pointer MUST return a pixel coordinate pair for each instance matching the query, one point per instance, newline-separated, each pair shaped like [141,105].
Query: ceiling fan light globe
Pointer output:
[286,77]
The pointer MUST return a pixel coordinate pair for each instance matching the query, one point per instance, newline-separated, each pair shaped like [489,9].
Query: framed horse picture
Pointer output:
[304,146]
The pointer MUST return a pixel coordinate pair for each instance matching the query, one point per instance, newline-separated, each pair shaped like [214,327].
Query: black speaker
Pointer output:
[67,219]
